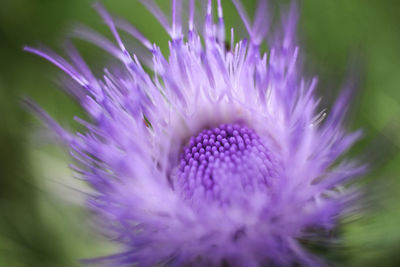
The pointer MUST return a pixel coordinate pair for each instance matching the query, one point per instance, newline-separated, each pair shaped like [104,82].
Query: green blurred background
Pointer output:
[41,223]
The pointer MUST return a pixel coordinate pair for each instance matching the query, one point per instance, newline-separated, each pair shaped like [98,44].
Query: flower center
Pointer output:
[224,164]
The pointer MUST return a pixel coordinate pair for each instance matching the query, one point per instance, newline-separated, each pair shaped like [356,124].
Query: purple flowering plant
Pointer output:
[216,154]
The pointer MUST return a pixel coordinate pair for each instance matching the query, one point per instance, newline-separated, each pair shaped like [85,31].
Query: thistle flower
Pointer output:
[214,155]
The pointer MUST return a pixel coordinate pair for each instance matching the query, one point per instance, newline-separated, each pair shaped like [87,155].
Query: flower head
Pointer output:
[216,155]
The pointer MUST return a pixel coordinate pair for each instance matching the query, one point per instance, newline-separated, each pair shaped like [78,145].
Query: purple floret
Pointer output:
[224,164]
[217,156]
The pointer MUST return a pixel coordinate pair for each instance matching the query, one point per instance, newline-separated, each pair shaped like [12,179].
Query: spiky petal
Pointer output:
[260,189]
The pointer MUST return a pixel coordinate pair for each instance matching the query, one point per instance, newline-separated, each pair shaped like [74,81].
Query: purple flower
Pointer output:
[218,155]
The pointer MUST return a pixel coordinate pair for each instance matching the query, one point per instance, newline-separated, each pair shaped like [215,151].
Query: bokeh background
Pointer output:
[41,222]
